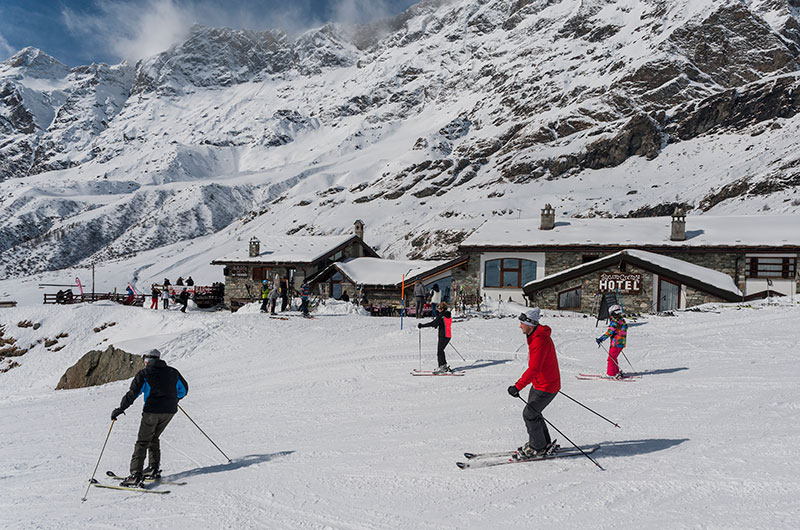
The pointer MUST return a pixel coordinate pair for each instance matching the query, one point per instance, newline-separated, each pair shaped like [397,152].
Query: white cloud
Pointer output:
[360,11]
[6,50]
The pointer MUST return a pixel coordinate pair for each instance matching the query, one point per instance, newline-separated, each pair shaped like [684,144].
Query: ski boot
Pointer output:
[134,480]
[151,473]
[443,369]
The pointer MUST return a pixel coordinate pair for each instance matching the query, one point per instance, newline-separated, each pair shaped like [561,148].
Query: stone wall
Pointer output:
[643,302]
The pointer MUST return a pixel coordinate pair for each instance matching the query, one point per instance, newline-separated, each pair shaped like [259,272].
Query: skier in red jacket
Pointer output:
[543,373]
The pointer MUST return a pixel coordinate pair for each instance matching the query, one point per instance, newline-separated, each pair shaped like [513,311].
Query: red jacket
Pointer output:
[542,363]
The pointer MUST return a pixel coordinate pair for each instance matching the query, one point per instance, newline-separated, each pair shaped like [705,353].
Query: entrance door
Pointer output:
[669,295]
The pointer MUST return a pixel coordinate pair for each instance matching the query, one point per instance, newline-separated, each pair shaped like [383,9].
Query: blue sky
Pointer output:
[82,32]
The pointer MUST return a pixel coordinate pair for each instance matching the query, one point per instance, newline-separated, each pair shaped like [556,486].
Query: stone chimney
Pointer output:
[678,225]
[255,247]
[358,228]
[548,218]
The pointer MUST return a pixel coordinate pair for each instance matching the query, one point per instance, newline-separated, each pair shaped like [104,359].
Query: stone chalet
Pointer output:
[508,257]
[293,257]
[382,280]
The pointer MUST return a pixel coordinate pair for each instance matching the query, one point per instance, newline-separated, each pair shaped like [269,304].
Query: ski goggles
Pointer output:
[524,318]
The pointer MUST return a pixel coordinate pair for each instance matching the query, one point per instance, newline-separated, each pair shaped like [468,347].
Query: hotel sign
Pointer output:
[621,282]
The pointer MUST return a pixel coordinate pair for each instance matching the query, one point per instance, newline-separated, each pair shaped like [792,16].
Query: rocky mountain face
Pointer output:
[450,113]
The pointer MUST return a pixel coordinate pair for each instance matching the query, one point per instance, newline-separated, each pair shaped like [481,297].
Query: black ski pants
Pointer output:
[538,435]
[443,342]
[420,306]
[147,443]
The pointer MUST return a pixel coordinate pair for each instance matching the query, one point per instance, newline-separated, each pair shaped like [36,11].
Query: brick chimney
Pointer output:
[358,228]
[548,218]
[255,247]
[678,225]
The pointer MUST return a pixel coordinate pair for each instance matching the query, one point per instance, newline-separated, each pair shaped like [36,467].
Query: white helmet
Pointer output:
[615,310]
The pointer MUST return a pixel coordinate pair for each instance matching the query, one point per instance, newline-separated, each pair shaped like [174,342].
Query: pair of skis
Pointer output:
[511,457]
[139,489]
[624,378]
[432,373]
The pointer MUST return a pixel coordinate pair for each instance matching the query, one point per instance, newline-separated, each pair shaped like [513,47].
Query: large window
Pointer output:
[261,273]
[570,299]
[508,272]
[761,267]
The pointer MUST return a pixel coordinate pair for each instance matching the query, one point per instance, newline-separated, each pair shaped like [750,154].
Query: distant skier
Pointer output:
[183,298]
[419,294]
[130,297]
[618,332]
[436,299]
[162,387]
[443,322]
[345,297]
[544,374]
[154,294]
[179,281]
[274,294]
[264,295]
[189,281]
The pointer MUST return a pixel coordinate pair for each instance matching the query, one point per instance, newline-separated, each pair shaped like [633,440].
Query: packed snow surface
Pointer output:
[327,429]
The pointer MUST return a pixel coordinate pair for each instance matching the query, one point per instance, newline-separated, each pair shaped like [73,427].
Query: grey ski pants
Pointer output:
[147,443]
[538,435]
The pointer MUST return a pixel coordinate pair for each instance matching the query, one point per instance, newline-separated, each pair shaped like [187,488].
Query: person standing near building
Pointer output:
[189,281]
[618,332]
[165,297]
[304,292]
[162,387]
[264,295]
[284,294]
[419,294]
[443,322]
[183,298]
[154,294]
[436,299]
[545,378]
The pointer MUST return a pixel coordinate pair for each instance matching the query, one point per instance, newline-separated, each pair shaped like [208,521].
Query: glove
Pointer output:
[419,326]
[513,391]
[598,341]
[116,414]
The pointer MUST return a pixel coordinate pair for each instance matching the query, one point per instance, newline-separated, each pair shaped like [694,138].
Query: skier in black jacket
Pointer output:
[162,387]
[443,322]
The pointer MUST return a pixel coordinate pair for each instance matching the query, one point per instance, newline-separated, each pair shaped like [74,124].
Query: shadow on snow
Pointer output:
[659,371]
[236,463]
[638,447]
[480,363]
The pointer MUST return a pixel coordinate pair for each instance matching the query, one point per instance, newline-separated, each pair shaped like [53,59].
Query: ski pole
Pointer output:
[204,434]
[459,353]
[629,363]
[91,480]
[565,436]
[590,410]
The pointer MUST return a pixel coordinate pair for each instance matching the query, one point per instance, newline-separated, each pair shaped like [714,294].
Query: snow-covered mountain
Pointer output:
[422,126]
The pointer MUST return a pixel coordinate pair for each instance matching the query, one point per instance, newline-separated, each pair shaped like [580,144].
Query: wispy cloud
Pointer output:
[360,11]
[6,50]
[133,30]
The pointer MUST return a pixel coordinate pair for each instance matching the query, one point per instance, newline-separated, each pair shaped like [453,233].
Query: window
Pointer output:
[761,267]
[570,299]
[261,273]
[508,272]
[238,271]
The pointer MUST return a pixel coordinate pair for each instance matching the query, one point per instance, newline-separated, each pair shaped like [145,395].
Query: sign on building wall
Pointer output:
[622,282]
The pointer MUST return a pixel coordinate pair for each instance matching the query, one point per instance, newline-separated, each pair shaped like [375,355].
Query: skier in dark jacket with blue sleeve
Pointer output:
[162,387]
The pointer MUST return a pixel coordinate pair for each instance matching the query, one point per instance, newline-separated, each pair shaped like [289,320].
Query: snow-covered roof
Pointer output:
[282,249]
[701,231]
[702,275]
[376,271]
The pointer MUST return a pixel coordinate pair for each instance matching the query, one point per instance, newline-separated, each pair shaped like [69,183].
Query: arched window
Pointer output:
[508,272]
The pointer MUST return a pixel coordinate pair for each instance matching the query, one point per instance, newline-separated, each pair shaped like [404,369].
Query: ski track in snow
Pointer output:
[327,430]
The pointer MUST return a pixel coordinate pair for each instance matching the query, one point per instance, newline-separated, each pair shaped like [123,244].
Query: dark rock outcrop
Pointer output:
[100,367]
